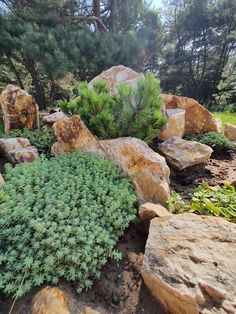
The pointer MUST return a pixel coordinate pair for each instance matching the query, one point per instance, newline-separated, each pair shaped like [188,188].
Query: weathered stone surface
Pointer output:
[189,264]
[197,118]
[147,169]
[230,131]
[50,119]
[182,154]
[72,135]
[148,211]
[175,125]
[19,109]
[89,310]
[50,301]
[219,124]
[117,74]
[17,150]
[2,182]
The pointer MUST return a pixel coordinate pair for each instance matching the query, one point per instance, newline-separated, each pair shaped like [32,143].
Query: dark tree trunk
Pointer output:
[16,73]
[39,91]
[97,13]
[113,16]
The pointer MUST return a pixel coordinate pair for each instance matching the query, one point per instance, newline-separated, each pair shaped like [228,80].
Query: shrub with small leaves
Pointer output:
[207,200]
[42,139]
[217,141]
[60,219]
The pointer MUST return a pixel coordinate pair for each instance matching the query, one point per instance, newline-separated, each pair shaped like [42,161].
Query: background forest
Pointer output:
[45,46]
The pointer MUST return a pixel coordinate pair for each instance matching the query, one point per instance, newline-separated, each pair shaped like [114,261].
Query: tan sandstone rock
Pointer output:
[197,118]
[73,135]
[148,211]
[118,74]
[89,310]
[50,119]
[147,169]
[175,125]
[50,301]
[19,109]
[17,150]
[189,264]
[182,154]
[230,131]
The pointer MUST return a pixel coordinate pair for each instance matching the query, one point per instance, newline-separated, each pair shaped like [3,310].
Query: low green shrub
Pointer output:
[132,111]
[207,200]
[217,141]
[42,139]
[60,219]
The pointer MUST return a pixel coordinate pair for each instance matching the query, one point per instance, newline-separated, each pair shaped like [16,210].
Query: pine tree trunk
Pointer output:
[39,91]
[16,73]
[97,13]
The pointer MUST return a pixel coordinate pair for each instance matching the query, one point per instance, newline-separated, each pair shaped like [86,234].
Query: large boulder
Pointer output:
[197,118]
[19,109]
[17,150]
[182,154]
[117,74]
[50,301]
[147,169]
[175,125]
[50,119]
[230,131]
[73,135]
[189,264]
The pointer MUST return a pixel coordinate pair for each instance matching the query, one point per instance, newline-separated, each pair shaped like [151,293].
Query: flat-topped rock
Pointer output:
[17,150]
[175,125]
[117,74]
[197,118]
[189,264]
[50,119]
[182,154]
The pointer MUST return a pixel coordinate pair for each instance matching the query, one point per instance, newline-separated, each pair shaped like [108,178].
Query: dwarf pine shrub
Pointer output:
[132,111]
[217,141]
[60,219]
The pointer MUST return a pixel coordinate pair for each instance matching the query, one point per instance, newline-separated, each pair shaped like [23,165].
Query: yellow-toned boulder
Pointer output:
[147,169]
[197,118]
[50,301]
[73,135]
[230,131]
[19,109]
[175,125]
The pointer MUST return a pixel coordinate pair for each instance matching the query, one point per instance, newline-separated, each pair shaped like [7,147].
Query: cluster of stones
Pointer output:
[189,260]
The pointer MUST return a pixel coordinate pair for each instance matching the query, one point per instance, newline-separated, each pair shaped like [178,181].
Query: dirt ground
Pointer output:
[120,290]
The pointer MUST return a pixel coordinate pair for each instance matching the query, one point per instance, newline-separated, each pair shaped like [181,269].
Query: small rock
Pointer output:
[18,150]
[148,211]
[219,124]
[19,109]
[50,119]
[175,125]
[230,131]
[182,154]
[189,264]
[50,301]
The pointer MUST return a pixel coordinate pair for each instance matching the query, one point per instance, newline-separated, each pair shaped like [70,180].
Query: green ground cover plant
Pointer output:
[217,141]
[42,139]
[60,219]
[133,111]
[226,117]
[207,200]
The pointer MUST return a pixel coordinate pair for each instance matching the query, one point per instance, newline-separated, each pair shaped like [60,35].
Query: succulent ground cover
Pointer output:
[60,219]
